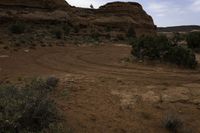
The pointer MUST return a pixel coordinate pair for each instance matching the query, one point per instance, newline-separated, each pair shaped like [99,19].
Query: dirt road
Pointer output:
[102,93]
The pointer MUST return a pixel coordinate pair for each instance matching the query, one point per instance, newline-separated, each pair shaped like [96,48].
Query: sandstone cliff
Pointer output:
[35,3]
[119,16]
[111,21]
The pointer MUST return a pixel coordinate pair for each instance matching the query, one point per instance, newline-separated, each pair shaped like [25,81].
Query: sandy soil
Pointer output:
[101,93]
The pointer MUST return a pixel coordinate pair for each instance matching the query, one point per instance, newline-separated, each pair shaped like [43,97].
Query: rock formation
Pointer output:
[35,3]
[117,17]
[123,15]
[113,19]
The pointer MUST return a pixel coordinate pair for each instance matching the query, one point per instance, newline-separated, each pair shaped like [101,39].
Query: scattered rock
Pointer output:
[127,98]
[178,94]
[192,85]
[4,56]
[150,96]
[196,101]
[195,92]
[27,51]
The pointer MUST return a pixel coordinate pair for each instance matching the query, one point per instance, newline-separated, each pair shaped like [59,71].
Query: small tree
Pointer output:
[91,6]
[193,40]
[160,48]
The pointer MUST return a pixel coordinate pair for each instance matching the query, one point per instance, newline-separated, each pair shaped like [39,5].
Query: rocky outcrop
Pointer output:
[35,3]
[130,14]
[119,17]
[111,20]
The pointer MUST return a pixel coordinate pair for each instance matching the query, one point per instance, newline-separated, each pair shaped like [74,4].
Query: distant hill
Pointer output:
[185,28]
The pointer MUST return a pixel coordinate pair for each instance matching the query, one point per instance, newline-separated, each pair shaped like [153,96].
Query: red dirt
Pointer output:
[100,93]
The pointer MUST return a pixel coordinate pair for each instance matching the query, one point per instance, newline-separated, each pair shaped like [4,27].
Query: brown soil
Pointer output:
[102,93]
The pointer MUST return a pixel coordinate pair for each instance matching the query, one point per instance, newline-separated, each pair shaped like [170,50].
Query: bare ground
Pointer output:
[102,93]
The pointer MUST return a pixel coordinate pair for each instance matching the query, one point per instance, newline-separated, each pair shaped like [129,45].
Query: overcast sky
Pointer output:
[164,12]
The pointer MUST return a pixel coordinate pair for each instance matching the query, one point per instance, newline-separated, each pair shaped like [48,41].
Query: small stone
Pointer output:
[178,94]
[27,50]
[4,56]
[196,101]
[150,96]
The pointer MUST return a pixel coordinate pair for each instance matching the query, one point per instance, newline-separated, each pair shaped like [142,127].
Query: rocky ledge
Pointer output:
[111,20]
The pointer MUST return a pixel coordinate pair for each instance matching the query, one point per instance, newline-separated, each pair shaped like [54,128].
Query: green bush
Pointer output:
[27,108]
[181,56]
[17,28]
[193,40]
[160,48]
[150,47]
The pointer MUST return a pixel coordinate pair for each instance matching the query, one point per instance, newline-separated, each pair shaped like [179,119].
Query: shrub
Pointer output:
[150,47]
[27,108]
[177,37]
[95,35]
[160,48]
[172,123]
[193,40]
[131,32]
[17,28]
[108,28]
[52,82]
[58,33]
[120,37]
[181,56]
[76,28]
[66,29]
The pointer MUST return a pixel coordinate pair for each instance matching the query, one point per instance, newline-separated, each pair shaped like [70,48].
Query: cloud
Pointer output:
[195,6]
[162,9]
[158,8]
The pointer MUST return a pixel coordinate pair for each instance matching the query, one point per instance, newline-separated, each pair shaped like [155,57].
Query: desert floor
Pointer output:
[100,92]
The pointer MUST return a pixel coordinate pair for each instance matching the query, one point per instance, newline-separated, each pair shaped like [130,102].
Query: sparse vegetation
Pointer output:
[17,28]
[193,40]
[52,82]
[27,108]
[177,37]
[181,56]
[160,48]
[131,32]
[66,29]
[95,35]
[58,33]
[173,123]
[121,37]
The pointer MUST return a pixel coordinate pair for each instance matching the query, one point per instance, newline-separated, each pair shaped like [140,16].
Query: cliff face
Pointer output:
[118,17]
[35,3]
[113,19]
[125,15]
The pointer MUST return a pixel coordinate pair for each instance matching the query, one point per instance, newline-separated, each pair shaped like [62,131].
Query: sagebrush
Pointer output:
[27,108]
